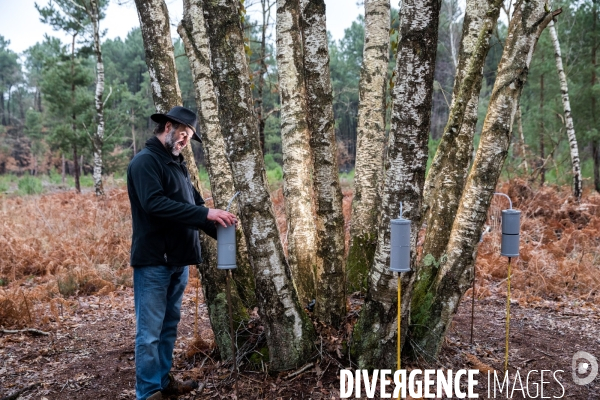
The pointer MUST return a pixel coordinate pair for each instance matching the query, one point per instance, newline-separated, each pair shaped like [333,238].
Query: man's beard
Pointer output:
[171,144]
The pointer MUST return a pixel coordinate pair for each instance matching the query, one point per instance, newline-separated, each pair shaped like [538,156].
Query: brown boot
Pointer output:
[177,388]
[155,396]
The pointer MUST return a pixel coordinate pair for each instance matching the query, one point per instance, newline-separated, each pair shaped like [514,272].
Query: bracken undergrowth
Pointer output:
[54,247]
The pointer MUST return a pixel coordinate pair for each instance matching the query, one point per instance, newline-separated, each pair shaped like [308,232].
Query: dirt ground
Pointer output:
[89,353]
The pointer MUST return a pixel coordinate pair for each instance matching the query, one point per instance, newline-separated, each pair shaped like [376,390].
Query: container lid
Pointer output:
[400,221]
[511,211]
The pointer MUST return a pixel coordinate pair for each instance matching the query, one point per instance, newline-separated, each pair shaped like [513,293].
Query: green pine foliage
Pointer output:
[41,118]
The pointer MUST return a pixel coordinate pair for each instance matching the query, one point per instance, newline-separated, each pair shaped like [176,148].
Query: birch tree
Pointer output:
[455,273]
[297,157]
[289,332]
[370,142]
[446,178]
[522,147]
[192,30]
[330,306]
[451,7]
[374,338]
[564,91]
[75,17]
[98,140]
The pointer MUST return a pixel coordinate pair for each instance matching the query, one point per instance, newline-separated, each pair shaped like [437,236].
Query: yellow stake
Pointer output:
[399,323]
[507,318]
[196,313]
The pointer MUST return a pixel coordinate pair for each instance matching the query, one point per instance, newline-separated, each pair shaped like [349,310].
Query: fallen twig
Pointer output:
[18,393]
[26,330]
[301,370]
[543,352]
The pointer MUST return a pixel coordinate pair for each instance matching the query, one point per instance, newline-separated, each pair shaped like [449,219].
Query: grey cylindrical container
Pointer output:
[511,231]
[400,245]
[226,247]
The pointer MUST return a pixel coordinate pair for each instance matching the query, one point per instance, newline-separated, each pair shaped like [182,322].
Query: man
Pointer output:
[166,213]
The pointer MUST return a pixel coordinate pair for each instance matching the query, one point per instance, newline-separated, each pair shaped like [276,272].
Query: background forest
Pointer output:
[45,134]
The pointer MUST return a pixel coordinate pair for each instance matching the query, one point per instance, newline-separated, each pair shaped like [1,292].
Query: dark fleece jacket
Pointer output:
[166,209]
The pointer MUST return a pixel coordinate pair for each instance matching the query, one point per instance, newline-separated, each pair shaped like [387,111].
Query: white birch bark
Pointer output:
[98,138]
[195,39]
[445,181]
[370,140]
[376,331]
[564,91]
[330,304]
[289,332]
[297,156]
[456,271]
[448,170]
[522,139]
[192,30]
[452,9]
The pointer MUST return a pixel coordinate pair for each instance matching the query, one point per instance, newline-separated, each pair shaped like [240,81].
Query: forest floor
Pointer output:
[89,353]
[82,305]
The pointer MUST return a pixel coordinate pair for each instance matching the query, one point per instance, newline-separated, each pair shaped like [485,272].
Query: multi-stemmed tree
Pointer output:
[452,200]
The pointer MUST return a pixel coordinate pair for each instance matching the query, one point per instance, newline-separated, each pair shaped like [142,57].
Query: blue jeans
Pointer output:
[158,291]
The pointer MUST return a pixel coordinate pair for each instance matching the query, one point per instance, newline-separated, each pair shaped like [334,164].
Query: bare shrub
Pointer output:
[560,252]
[42,235]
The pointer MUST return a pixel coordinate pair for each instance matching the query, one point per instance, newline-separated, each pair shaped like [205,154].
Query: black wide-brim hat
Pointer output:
[181,115]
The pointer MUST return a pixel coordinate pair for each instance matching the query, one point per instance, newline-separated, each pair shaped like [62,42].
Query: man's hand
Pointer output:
[221,217]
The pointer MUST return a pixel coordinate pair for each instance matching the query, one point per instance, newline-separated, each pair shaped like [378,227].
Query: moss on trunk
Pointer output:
[214,287]
[218,312]
[360,258]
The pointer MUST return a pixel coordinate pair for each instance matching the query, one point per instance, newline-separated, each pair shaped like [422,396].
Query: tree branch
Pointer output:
[26,330]
[79,6]
[109,93]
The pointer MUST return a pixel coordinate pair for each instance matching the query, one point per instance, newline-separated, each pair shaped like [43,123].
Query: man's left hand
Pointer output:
[222,217]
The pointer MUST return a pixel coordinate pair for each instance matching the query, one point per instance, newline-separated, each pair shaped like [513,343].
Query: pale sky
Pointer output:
[20,23]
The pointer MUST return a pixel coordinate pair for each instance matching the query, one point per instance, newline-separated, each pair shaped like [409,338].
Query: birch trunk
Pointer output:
[455,273]
[154,22]
[289,331]
[73,118]
[446,178]
[564,90]
[370,138]
[330,306]
[192,30]
[376,331]
[451,10]
[523,148]
[98,138]
[266,15]
[297,157]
